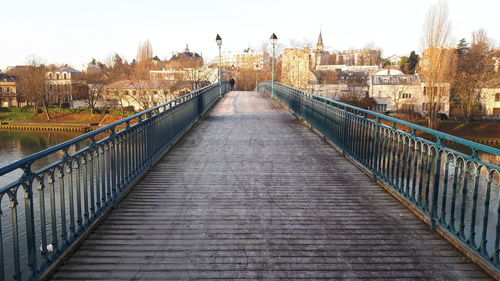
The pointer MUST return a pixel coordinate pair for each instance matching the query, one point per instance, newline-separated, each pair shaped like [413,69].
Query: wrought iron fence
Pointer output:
[44,211]
[445,177]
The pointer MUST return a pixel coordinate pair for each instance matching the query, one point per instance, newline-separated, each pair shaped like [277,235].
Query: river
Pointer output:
[15,145]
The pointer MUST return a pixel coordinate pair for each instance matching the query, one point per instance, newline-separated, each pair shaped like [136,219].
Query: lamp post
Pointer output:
[274,40]
[219,43]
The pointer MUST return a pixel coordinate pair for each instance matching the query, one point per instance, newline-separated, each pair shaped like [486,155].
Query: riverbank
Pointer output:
[73,120]
[483,132]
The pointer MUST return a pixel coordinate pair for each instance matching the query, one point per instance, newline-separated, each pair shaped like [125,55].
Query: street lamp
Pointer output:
[219,43]
[274,40]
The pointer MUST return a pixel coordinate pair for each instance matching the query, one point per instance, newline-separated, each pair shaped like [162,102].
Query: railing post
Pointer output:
[27,185]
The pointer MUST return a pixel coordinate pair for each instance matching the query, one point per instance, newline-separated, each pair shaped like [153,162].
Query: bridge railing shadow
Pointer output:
[441,176]
[49,209]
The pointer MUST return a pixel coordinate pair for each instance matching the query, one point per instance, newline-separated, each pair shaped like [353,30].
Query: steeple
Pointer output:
[187,49]
[319,45]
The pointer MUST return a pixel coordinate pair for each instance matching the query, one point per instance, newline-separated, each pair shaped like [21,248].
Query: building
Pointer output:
[248,59]
[181,60]
[357,68]
[139,95]
[358,57]
[395,91]
[8,91]
[335,84]
[319,55]
[194,75]
[490,97]
[296,68]
[341,59]
[393,60]
[304,68]
[64,84]
[94,67]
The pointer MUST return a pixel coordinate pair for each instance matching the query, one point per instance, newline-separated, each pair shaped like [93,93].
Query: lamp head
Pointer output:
[274,39]
[218,40]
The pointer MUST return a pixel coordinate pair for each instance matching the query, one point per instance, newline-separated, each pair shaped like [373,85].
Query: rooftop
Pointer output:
[7,78]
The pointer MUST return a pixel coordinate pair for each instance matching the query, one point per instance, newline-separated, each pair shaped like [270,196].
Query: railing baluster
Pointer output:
[30,222]
[43,223]
[79,220]
[464,201]
[456,179]
[472,234]
[435,190]
[62,204]
[98,170]
[430,155]
[53,211]
[15,234]
[484,238]
[2,257]
[71,197]
[443,220]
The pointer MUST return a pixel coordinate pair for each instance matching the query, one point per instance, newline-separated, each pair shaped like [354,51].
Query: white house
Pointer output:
[490,97]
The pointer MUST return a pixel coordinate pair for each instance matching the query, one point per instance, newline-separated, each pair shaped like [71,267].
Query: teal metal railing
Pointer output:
[46,210]
[456,190]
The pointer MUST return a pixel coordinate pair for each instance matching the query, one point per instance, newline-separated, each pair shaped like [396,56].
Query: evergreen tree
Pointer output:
[412,62]
[462,47]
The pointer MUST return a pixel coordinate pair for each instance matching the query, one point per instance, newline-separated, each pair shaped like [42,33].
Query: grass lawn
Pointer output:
[58,115]
[16,115]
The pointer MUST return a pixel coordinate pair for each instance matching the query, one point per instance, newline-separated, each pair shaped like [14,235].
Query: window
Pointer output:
[8,90]
[65,76]
[408,107]
[57,76]
[1,90]
[406,96]
[439,106]
[380,107]
[497,97]
[50,76]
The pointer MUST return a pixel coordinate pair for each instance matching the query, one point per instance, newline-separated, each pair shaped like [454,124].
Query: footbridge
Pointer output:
[272,184]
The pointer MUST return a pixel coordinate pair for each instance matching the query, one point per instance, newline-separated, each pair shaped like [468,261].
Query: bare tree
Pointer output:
[438,62]
[396,95]
[144,62]
[144,52]
[474,67]
[31,83]
[96,87]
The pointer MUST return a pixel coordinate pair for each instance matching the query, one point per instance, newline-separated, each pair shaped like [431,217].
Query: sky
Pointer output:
[74,32]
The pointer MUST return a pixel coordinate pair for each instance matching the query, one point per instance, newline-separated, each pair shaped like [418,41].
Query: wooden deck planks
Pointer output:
[250,193]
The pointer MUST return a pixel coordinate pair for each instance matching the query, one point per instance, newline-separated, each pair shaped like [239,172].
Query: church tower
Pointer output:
[320,55]
[319,46]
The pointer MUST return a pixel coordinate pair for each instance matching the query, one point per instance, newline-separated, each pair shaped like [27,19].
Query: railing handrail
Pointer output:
[439,135]
[29,159]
